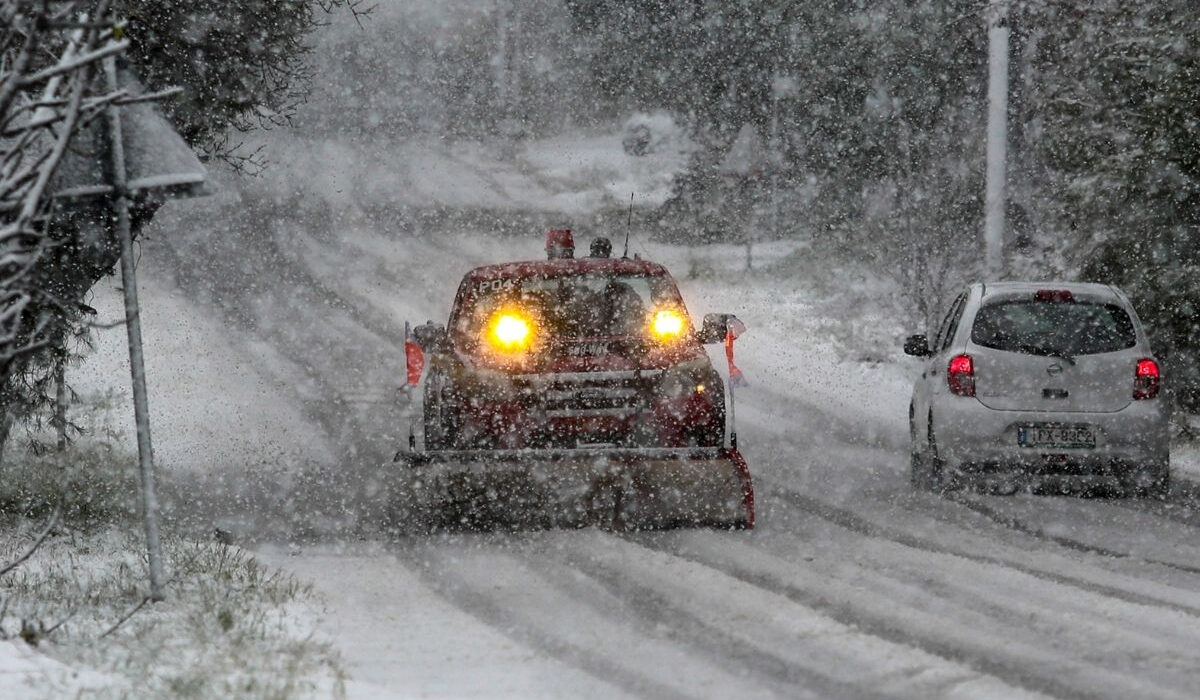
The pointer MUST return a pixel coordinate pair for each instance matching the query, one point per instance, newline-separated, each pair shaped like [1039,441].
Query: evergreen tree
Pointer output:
[242,64]
[1121,139]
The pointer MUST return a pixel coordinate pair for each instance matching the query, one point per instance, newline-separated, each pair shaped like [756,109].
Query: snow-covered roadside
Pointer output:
[400,638]
[571,174]
[75,623]
[26,672]
[1185,461]
[221,406]
[212,405]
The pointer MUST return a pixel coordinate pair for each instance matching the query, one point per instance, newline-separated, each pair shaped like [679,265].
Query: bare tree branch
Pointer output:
[50,525]
[76,63]
[48,51]
[125,618]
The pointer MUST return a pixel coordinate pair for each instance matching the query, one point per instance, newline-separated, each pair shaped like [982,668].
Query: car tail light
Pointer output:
[1146,379]
[1060,296]
[960,375]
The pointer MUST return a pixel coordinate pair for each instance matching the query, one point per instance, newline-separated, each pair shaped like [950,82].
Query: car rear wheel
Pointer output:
[441,424]
[926,467]
[1154,484]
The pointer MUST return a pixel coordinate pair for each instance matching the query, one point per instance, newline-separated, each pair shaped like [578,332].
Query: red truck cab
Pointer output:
[566,353]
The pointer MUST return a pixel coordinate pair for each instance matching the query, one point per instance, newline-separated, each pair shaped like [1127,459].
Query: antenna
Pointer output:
[628,225]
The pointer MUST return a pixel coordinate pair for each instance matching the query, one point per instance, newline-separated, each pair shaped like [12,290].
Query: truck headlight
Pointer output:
[667,324]
[510,331]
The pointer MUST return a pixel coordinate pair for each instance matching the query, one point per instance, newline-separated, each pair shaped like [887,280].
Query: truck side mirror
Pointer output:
[431,336]
[713,330]
[917,346]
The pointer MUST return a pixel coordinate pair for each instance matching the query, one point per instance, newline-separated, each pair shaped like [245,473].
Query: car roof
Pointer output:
[566,267]
[1091,290]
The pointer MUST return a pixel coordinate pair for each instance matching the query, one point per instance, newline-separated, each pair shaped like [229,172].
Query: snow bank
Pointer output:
[212,402]
[27,672]
[402,639]
[573,174]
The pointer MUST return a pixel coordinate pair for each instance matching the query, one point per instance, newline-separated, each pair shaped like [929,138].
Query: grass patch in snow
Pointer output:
[230,626]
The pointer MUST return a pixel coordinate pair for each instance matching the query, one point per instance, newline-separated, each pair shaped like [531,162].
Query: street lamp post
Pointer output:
[997,139]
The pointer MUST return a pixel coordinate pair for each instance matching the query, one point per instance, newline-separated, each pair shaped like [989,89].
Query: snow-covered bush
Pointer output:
[94,484]
[651,132]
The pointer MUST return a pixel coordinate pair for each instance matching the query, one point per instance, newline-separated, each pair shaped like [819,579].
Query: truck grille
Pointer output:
[609,396]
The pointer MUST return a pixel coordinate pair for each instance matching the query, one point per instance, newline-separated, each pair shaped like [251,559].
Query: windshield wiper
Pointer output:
[1048,352]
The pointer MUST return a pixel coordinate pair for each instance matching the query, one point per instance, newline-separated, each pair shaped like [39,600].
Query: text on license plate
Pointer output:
[1055,436]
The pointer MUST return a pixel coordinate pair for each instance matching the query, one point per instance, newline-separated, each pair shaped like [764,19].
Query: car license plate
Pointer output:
[1066,436]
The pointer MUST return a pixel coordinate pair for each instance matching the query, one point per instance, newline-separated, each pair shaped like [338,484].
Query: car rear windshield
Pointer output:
[1053,328]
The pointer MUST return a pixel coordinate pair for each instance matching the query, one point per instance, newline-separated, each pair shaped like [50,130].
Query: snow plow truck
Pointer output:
[570,392]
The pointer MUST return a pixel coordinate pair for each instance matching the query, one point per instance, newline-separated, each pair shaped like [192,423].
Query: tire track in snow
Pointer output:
[401,639]
[852,521]
[224,279]
[498,589]
[956,637]
[827,656]
[1185,494]
[1144,623]
[835,429]
[721,647]
[297,330]
[1015,523]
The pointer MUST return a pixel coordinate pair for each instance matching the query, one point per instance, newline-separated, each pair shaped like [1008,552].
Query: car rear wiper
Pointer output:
[1048,352]
[1064,355]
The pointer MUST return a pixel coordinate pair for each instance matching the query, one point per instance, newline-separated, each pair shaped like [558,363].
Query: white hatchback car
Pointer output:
[1042,385]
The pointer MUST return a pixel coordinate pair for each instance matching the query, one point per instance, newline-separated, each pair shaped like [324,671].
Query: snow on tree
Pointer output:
[242,64]
[1118,140]
[48,92]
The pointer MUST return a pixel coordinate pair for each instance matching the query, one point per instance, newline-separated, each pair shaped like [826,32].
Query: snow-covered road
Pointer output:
[863,590]
[851,586]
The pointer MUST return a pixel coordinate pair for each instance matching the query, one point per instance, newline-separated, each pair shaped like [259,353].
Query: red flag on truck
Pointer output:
[414,357]
[733,328]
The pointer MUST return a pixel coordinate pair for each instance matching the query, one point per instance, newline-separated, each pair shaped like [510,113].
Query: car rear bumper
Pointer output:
[1010,481]
[1078,473]
[973,439]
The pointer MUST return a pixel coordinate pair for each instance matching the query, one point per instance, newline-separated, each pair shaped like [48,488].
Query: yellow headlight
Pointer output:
[510,331]
[667,324]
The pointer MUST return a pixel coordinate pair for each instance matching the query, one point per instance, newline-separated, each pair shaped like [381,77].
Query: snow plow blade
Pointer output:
[621,489]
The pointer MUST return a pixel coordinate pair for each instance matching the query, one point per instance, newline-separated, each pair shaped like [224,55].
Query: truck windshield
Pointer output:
[577,306]
[1050,328]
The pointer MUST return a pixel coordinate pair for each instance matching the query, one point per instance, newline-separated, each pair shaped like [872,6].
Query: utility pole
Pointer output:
[500,58]
[997,139]
[774,157]
[133,327]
